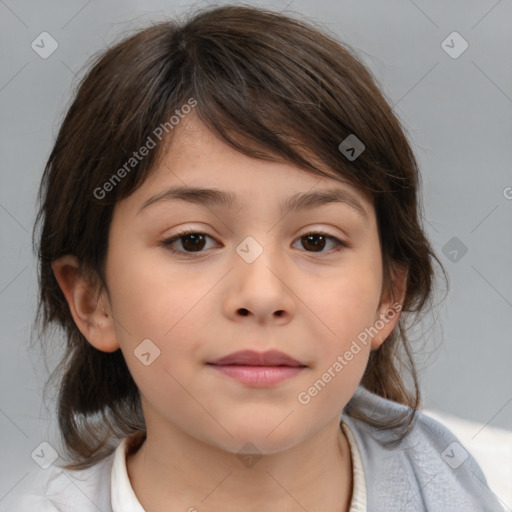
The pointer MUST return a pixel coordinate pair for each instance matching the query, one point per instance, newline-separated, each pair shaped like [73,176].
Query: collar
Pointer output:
[124,499]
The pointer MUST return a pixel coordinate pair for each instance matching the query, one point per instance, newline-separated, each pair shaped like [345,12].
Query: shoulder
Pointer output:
[59,490]
[428,470]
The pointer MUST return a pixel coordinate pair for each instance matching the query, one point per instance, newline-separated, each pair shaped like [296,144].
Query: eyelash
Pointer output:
[167,243]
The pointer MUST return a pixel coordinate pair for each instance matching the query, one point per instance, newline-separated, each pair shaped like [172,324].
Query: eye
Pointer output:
[191,241]
[317,241]
[194,242]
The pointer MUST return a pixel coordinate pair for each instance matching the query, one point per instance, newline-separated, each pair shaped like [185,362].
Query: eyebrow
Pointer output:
[219,198]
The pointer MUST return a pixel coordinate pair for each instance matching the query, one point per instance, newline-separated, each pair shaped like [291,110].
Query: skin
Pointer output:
[200,306]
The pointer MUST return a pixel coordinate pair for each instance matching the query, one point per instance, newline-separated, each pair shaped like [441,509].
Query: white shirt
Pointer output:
[125,500]
[424,471]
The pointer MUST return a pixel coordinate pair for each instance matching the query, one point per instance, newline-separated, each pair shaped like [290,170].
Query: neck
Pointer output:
[176,472]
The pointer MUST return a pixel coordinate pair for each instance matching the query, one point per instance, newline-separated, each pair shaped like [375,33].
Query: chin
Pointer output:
[257,442]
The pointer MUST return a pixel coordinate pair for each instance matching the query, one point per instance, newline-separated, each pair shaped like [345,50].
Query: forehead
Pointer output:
[192,146]
[196,166]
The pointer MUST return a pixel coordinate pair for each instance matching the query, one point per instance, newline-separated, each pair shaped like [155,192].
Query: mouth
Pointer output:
[258,369]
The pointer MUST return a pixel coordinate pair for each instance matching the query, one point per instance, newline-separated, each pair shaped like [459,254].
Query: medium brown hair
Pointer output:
[273,87]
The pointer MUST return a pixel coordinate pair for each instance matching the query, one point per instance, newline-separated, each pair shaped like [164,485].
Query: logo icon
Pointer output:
[44,45]
[146,352]
[454,45]
[249,455]
[454,250]
[249,249]
[454,455]
[44,455]
[351,147]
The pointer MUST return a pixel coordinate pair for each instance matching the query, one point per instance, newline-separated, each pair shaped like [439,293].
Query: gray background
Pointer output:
[457,113]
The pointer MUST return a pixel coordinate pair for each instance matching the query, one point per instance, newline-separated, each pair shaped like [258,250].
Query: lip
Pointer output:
[258,369]
[253,358]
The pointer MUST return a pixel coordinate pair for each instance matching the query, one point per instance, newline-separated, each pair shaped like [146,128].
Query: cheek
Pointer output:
[342,350]
[346,304]
[149,296]
[149,306]
[164,305]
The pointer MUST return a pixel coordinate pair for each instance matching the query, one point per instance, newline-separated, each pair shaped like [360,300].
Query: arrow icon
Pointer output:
[454,455]
[454,45]
[351,147]
[454,249]
[44,45]
[146,352]
[249,459]
[44,455]
[247,252]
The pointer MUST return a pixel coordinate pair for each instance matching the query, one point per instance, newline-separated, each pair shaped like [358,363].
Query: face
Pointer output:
[259,274]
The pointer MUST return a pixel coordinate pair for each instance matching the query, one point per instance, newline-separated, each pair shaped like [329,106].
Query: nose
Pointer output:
[259,290]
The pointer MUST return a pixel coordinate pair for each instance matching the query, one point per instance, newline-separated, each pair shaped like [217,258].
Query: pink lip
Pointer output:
[258,369]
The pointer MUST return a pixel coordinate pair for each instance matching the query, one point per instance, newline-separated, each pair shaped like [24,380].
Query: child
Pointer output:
[231,240]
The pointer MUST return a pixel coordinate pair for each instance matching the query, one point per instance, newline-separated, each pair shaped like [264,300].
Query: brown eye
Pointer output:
[193,242]
[316,242]
[189,242]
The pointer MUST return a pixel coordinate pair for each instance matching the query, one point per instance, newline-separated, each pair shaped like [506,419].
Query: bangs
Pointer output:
[272,95]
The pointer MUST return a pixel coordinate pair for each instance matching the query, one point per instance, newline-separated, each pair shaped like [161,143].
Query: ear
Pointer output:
[90,309]
[390,306]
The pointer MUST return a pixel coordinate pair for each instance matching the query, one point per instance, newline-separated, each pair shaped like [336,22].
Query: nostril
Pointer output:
[244,312]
